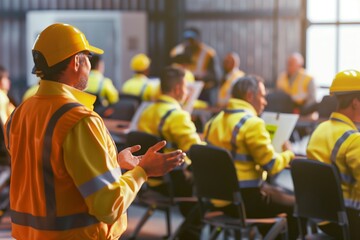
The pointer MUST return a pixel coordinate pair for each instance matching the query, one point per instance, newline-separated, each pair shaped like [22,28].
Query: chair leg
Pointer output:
[278,228]
[168,222]
[147,215]
[194,212]
[302,225]
[215,233]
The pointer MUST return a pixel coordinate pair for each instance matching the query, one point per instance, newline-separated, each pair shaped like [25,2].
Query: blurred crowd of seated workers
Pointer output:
[239,98]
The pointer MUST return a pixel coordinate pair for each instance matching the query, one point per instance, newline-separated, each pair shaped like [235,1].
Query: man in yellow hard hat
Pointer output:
[66,181]
[139,85]
[337,141]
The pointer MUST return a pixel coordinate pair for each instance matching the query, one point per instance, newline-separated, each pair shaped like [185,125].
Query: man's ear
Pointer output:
[355,103]
[75,62]
[249,96]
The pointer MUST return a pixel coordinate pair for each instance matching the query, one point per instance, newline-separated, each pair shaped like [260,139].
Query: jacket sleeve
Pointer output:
[259,145]
[352,165]
[111,92]
[90,158]
[183,131]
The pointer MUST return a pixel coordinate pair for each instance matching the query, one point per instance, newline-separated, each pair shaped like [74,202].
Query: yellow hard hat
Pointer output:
[60,41]
[345,82]
[140,62]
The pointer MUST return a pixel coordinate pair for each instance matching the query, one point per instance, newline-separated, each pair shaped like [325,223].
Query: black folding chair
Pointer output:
[124,110]
[150,198]
[327,105]
[279,101]
[215,178]
[318,196]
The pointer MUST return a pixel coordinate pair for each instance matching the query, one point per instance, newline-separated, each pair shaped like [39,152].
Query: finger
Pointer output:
[173,154]
[134,148]
[157,146]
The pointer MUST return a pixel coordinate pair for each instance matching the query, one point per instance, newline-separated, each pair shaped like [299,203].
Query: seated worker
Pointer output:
[139,85]
[238,129]
[6,107]
[184,60]
[166,118]
[101,86]
[297,82]
[232,72]
[204,63]
[337,141]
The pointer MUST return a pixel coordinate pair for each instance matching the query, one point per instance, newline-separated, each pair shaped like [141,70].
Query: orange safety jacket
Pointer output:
[48,176]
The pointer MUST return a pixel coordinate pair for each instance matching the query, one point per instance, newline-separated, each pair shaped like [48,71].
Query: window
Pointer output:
[333,38]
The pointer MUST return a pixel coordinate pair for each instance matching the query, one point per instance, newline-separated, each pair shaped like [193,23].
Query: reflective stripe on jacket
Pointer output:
[65,181]
[199,60]
[240,131]
[338,140]
[176,128]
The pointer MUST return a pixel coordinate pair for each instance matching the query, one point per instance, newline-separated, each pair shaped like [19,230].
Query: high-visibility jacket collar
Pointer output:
[336,116]
[235,103]
[55,88]
[167,99]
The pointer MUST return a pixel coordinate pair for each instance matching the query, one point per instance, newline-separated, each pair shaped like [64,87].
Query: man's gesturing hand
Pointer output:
[157,164]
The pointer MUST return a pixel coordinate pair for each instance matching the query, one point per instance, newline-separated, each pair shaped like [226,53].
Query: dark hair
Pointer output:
[2,71]
[171,76]
[42,70]
[244,85]
[344,100]
[94,61]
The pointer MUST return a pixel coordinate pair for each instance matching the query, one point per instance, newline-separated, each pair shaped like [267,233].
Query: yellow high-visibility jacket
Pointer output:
[338,140]
[301,87]
[102,87]
[239,130]
[66,182]
[165,118]
[225,90]
[6,107]
[140,86]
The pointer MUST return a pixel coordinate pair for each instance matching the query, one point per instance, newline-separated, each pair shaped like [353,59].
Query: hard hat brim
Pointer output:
[95,50]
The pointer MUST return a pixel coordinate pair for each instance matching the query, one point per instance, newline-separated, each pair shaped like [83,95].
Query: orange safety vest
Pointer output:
[45,203]
[199,60]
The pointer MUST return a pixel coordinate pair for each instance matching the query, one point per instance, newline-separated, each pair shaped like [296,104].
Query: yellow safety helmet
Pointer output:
[345,82]
[140,63]
[60,41]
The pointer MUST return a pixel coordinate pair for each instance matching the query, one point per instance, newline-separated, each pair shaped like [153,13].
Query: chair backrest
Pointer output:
[318,191]
[214,172]
[124,109]
[145,140]
[124,96]
[327,105]
[279,101]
